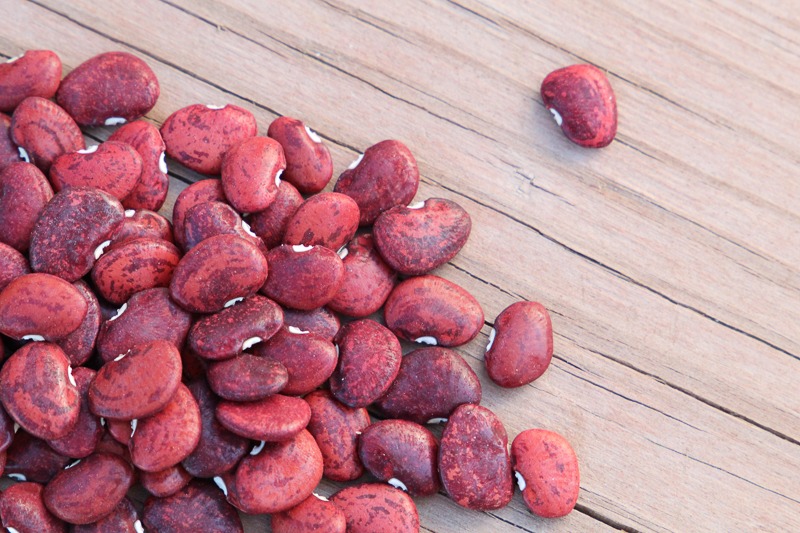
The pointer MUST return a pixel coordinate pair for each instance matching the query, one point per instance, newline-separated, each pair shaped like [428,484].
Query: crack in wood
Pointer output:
[687,392]
[622,275]
[509,522]
[724,471]
[632,400]
[474,13]
[616,524]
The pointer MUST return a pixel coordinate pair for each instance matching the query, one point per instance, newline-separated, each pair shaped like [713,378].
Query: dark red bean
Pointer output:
[236,328]
[309,166]
[32,459]
[89,489]
[108,89]
[583,104]
[314,514]
[431,383]
[66,237]
[247,377]
[270,224]
[373,507]
[169,436]
[369,360]
[199,506]
[148,316]
[385,176]
[336,428]
[367,282]
[38,391]
[327,219]
[402,453]
[547,472]
[217,271]
[473,459]
[303,277]
[44,131]
[137,384]
[320,321]
[35,73]
[309,359]
[151,190]
[218,450]
[22,508]
[197,136]
[279,476]
[24,191]
[251,173]
[276,418]
[416,239]
[113,167]
[433,310]
[520,345]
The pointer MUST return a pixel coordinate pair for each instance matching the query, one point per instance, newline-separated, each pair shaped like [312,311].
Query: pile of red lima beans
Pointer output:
[230,359]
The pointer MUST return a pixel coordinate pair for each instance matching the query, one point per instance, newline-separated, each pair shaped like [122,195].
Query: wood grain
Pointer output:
[669,260]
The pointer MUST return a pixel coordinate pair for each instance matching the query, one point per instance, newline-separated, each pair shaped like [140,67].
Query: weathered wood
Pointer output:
[669,260]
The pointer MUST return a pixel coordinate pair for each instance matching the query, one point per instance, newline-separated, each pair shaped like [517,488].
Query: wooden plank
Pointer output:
[673,361]
[681,422]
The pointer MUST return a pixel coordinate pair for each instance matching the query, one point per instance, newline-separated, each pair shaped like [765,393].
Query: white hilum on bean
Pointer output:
[72,464]
[138,527]
[319,497]
[300,248]
[247,229]
[119,312]
[437,421]
[18,477]
[115,121]
[427,340]
[162,163]
[71,377]
[557,116]
[221,484]
[234,301]
[215,107]
[92,149]
[129,213]
[342,253]
[417,205]
[396,483]
[24,155]
[34,338]
[134,423]
[100,249]
[520,481]
[278,178]
[249,343]
[313,135]
[355,163]
[491,339]
[257,448]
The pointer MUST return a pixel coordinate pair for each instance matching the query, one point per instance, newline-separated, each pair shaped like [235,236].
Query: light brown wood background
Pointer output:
[670,260]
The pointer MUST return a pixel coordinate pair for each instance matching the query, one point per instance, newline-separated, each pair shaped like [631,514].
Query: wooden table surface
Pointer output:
[670,260]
